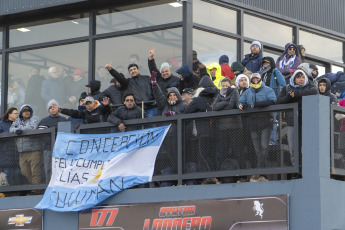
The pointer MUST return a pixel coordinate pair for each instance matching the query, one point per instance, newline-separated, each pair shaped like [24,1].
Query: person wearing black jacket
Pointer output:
[229,127]
[139,85]
[95,111]
[324,86]
[93,90]
[165,78]
[127,112]
[115,92]
[171,104]
[299,86]
[187,78]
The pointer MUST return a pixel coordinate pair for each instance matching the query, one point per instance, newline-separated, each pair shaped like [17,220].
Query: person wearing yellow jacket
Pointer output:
[215,72]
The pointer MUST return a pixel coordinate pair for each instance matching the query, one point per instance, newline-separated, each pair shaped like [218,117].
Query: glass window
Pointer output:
[37,76]
[211,46]
[0,39]
[49,30]
[214,16]
[167,44]
[266,31]
[321,70]
[138,16]
[321,46]
[268,53]
[337,68]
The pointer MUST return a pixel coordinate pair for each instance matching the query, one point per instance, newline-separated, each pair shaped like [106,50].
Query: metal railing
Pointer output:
[337,140]
[15,161]
[196,145]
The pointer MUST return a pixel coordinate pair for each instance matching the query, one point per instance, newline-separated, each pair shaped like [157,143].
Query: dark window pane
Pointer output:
[37,76]
[214,16]
[49,30]
[167,44]
[211,46]
[138,16]
[266,31]
[322,46]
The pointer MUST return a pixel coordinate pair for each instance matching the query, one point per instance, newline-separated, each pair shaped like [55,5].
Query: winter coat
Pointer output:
[27,143]
[162,101]
[333,98]
[284,96]
[226,103]
[276,77]
[51,121]
[190,80]
[5,126]
[76,87]
[252,63]
[51,89]
[261,97]
[163,83]
[115,94]
[295,62]
[98,114]
[140,86]
[33,93]
[333,77]
[203,102]
[123,113]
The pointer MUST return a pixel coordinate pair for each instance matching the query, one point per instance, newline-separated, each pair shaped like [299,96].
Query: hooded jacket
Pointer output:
[333,98]
[241,91]
[203,102]
[217,81]
[95,86]
[190,80]
[252,63]
[98,114]
[162,101]
[51,121]
[52,89]
[276,79]
[284,64]
[115,94]
[140,86]
[162,82]
[284,96]
[227,102]
[123,113]
[27,143]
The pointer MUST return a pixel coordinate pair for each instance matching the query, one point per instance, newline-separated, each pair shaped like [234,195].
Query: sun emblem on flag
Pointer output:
[97,175]
[20,220]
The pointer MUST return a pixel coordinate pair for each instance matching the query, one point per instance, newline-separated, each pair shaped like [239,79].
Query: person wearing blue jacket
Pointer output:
[253,61]
[259,125]
[273,78]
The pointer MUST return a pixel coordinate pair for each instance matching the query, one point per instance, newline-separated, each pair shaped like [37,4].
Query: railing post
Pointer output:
[179,149]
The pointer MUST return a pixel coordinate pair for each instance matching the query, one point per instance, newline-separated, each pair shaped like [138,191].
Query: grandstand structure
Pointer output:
[87,34]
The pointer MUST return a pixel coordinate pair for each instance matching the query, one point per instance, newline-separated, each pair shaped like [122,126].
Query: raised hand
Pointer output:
[108,66]
[105,101]
[151,53]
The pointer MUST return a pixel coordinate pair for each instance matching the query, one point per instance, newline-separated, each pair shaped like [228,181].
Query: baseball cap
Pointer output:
[187,90]
[89,99]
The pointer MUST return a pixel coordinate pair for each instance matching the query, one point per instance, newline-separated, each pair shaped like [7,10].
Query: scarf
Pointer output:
[289,63]
[256,86]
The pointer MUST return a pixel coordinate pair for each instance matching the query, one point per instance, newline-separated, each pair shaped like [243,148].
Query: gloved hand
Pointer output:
[169,113]
[19,132]
[153,78]
[291,71]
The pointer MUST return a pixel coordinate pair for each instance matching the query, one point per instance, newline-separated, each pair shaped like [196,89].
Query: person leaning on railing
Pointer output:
[259,125]
[29,147]
[298,87]
[127,112]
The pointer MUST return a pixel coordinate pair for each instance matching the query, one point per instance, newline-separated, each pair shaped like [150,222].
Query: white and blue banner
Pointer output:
[88,168]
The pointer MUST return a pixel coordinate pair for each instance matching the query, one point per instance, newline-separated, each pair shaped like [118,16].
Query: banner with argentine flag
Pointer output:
[88,168]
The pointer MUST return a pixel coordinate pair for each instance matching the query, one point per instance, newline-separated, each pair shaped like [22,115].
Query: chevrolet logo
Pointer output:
[20,220]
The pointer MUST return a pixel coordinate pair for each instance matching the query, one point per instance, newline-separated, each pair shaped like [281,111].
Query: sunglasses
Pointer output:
[129,100]
[292,48]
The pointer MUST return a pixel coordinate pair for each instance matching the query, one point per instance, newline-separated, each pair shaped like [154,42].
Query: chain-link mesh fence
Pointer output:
[338,153]
[25,159]
[236,142]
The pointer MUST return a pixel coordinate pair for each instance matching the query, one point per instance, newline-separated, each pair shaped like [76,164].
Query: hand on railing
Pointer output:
[19,132]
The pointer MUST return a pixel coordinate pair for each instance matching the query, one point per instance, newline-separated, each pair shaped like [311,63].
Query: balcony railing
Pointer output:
[224,145]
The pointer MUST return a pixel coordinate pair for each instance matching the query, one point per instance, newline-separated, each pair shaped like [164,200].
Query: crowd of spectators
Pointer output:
[254,82]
